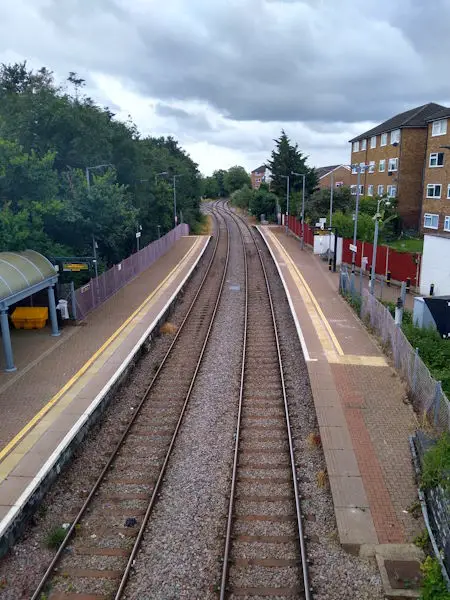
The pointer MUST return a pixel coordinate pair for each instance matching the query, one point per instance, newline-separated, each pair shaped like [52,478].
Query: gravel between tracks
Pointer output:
[179,556]
[334,575]
[23,567]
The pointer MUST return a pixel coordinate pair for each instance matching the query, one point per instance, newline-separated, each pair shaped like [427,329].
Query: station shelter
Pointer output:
[23,274]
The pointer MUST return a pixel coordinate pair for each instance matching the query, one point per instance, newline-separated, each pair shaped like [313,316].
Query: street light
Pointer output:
[287,200]
[302,243]
[174,185]
[94,243]
[375,242]
[138,235]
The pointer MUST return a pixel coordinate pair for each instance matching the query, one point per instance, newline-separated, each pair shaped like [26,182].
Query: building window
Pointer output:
[391,191]
[393,164]
[380,190]
[353,190]
[434,190]
[361,189]
[339,183]
[362,167]
[373,141]
[395,136]
[448,191]
[436,159]
[382,166]
[363,144]
[383,139]
[258,180]
[447,224]
[355,146]
[354,171]
[370,190]
[431,221]
[439,127]
[372,166]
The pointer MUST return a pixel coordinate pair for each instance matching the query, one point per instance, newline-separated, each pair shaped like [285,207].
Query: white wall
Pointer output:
[435,266]
[322,243]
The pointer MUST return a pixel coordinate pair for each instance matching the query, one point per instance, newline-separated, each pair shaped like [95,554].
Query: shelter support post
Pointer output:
[7,347]
[52,310]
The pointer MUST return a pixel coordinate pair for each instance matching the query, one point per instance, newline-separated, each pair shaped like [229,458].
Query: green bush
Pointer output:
[433,584]
[407,314]
[433,350]
[436,465]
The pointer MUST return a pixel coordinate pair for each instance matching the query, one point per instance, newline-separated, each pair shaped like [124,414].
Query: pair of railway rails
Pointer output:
[264,552]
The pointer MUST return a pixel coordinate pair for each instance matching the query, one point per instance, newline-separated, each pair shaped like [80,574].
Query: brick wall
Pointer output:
[440,175]
[408,178]
[340,174]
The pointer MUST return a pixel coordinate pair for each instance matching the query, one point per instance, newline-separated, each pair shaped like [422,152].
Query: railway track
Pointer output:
[97,554]
[264,554]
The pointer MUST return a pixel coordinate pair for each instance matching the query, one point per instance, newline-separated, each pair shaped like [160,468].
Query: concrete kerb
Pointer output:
[15,521]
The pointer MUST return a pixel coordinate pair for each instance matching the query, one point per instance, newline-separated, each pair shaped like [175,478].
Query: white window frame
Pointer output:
[434,186]
[373,141]
[380,193]
[395,136]
[339,184]
[390,189]
[439,127]
[448,191]
[431,216]
[447,223]
[361,189]
[382,163]
[435,156]
[353,190]
[393,164]
[356,146]
[363,144]
[371,167]
[383,139]
[354,171]
[370,189]
[362,167]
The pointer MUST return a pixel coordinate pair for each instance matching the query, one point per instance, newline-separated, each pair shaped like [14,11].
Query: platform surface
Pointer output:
[360,402]
[59,379]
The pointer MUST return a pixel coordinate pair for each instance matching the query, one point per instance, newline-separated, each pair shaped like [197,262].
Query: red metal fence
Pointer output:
[401,265]
[101,288]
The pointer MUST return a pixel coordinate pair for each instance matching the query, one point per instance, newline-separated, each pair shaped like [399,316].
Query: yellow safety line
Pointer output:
[7,449]
[320,313]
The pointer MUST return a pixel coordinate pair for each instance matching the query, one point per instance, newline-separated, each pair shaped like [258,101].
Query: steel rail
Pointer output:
[52,566]
[301,537]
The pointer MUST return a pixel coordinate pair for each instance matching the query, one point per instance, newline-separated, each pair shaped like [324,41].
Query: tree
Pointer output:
[210,187]
[219,175]
[286,158]
[318,204]
[242,198]
[263,202]
[235,178]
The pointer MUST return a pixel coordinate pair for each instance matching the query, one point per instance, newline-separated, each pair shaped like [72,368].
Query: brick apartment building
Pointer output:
[338,174]
[259,176]
[394,154]
[436,184]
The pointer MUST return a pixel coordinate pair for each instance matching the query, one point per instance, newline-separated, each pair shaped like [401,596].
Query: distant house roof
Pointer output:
[22,273]
[323,171]
[259,169]
[441,114]
[416,117]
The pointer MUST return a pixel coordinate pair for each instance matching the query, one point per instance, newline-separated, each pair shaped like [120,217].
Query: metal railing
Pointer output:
[99,289]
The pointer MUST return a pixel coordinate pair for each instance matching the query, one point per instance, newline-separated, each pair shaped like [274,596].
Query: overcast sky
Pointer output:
[224,76]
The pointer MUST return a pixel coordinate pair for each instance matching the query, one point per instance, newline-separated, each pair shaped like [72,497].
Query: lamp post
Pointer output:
[88,182]
[375,242]
[359,169]
[287,200]
[138,236]
[302,242]
[174,186]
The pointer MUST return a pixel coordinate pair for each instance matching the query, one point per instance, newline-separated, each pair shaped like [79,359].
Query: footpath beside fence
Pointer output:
[99,289]
[430,403]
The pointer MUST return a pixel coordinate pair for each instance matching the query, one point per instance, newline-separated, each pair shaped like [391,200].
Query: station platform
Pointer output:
[61,382]
[361,406]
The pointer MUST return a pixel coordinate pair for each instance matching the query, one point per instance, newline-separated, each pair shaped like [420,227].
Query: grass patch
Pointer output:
[168,328]
[436,465]
[407,245]
[55,538]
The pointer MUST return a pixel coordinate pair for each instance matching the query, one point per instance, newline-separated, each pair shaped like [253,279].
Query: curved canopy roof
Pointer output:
[22,271]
